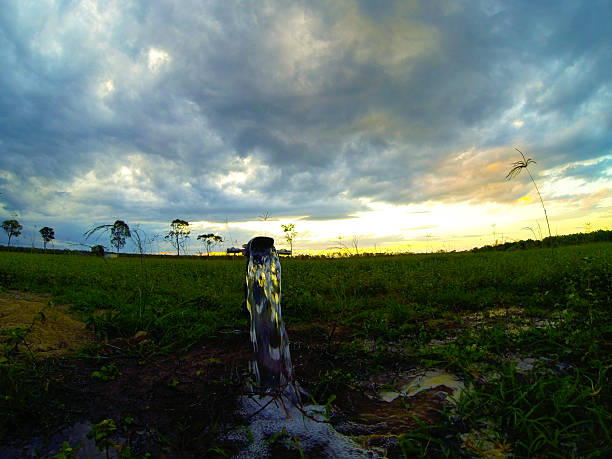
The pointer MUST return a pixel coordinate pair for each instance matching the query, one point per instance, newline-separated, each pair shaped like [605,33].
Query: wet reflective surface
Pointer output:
[410,384]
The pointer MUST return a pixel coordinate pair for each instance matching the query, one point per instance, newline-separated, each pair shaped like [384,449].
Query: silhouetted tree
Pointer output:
[290,233]
[119,231]
[210,240]
[12,228]
[178,234]
[517,167]
[97,250]
[48,234]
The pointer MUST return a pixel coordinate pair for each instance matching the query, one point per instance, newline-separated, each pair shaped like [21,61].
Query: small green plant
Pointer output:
[327,406]
[23,384]
[107,373]
[281,434]
[12,339]
[424,441]
[296,444]
[331,383]
[67,451]
[101,434]
[282,443]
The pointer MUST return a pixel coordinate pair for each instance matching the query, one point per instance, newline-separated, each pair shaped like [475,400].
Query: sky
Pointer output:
[387,125]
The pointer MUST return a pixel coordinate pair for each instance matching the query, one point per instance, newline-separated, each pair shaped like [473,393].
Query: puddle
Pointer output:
[441,342]
[54,332]
[75,435]
[492,315]
[410,384]
[526,364]
[387,406]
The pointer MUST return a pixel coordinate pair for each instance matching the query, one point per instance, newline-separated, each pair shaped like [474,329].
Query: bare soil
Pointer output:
[53,332]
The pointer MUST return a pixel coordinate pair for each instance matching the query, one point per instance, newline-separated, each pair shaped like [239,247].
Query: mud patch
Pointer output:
[53,332]
[410,384]
[166,405]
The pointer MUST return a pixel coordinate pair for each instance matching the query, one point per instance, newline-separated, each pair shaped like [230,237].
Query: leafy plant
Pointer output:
[67,451]
[330,383]
[101,434]
[23,385]
[107,373]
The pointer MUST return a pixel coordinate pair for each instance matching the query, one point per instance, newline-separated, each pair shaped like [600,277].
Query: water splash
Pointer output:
[272,365]
[278,409]
[305,427]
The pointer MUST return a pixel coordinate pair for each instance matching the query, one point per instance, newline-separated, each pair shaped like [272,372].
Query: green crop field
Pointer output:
[527,331]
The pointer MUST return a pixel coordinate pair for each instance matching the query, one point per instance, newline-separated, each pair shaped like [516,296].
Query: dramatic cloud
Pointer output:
[221,111]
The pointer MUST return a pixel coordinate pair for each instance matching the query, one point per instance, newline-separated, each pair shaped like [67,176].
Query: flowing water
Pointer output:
[272,364]
[277,409]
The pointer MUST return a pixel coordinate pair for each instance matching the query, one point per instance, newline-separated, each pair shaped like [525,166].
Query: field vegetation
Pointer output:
[527,330]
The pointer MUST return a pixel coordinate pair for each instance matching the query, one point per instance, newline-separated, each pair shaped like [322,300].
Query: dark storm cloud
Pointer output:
[316,106]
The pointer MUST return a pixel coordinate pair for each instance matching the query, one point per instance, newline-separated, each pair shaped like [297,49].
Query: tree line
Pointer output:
[13,229]
[551,241]
[177,236]
[119,233]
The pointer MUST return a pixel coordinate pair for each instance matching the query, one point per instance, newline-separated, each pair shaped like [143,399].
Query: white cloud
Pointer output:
[157,59]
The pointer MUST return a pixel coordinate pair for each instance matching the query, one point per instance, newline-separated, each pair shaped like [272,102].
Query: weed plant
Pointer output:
[24,393]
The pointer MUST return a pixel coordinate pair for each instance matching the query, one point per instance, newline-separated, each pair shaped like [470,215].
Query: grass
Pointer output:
[439,310]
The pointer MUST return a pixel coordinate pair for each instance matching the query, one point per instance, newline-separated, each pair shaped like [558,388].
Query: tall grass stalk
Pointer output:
[517,167]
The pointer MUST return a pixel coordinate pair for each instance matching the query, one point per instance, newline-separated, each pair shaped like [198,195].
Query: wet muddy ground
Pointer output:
[182,405]
[382,344]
